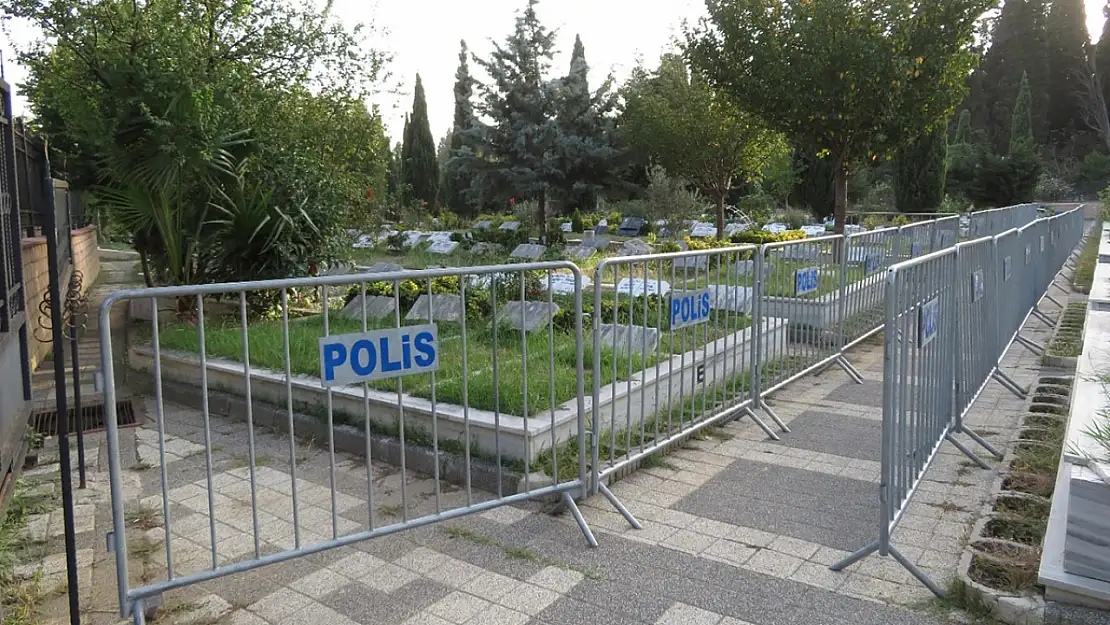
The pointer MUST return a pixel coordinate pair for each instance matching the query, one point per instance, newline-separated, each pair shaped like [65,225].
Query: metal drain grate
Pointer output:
[45,422]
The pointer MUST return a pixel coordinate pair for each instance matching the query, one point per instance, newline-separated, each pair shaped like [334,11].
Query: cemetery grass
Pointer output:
[549,363]
[1088,258]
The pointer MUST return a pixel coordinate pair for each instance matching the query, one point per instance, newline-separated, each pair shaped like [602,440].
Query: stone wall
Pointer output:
[36,280]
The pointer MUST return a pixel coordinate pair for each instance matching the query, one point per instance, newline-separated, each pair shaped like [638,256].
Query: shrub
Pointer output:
[396,241]
[1006,180]
[614,219]
[919,172]
[1051,188]
[576,221]
[795,218]
[1094,173]
[759,237]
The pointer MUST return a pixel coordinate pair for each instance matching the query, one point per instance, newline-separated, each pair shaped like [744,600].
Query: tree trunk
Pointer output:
[721,216]
[145,263]
[840,197]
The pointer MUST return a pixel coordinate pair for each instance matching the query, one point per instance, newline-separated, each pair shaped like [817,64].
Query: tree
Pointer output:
[919,172]
[1021,126]
[854,77]
[230,137]
[586,150]
[455,182]
[514,154]
[1092,97]
[421,171]
[1067,37]
[963,128]
[694,132]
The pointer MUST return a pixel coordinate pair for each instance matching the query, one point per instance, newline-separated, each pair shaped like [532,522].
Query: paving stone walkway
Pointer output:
[737,529]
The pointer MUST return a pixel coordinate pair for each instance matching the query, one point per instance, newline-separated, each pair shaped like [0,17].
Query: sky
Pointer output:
[423,37]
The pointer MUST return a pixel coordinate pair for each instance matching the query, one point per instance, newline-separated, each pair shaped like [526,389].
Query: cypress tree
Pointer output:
[919,172]
[1067,37]
[1102,56]
[456,183]
[421,171]
[1021,124]
[963,128]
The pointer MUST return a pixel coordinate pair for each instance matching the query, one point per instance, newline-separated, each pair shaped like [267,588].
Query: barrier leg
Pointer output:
[138,612]
[850,369]
[774,417]
[981,441]
[856,557]
[1032,346]
[1053,300]
[762,425]
[616,503]
[569,502]
[967,452]
[1039,314]
[1010,384]
[916,572]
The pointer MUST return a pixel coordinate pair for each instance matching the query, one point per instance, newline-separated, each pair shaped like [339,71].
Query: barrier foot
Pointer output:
[616,503]
[1064,290]
[967,452]
[1043,317]
[138,612]
[856,557]
[850,369]
[569,502]
[1032,346]
[763,426]
[1010,384]
[774,417]
[1054,300]
[916,572]
[973,435]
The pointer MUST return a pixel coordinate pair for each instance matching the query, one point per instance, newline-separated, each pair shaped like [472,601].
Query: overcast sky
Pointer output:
[423,36]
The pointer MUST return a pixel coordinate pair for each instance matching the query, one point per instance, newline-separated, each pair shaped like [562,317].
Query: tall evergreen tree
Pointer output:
[1067,38]
[421,171]
[919,172]
[456,183]
[963,128]
[1021,124]
[1102,54]
[586,147]
[1018,45]
[514,155]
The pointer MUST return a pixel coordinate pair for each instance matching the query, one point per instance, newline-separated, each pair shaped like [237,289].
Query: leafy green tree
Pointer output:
[421,171]
[230,136]
[919,172]
[455,182]
[695,133]
[1021,126]
[814,187]
[855,78]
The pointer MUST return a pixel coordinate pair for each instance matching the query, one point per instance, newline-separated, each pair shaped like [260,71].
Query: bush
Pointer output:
[795,218]
[614,219]
[1051,188]
[576,221]
[919,173]
[396,241]
[1006,180]
[759,237]
[1094,173]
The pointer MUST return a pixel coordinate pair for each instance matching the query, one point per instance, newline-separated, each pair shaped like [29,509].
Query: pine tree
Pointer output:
[1067,38]
[421,172]
[455,182]
[586,148]
[514,155]
[1021,125]
[919,172]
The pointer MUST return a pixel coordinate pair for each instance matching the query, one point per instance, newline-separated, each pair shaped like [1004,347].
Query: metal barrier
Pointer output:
[939,351]
[868,256]
[882,219]
[663,367]
[360,354]
[986,223]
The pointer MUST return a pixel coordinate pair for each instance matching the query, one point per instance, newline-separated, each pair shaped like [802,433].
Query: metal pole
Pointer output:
[56,322]
[78,417]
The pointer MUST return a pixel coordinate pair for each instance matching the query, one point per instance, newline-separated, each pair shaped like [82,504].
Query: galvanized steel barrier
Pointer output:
[990,222]
[940,351]
[358,374]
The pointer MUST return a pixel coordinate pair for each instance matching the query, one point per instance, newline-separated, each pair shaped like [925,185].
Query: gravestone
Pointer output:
[485,249]
[731,229]
[599,229]
[743,268]
[439,236]
[776,228]
[639,286]
[484,224]
[703,229]
[814,231]
[631,227]
[635,247]
[444,308]
[691,262]
[338,269]
[805,251]
[622,338]
[563,283]
[854,229]
[596,242]
[566,226]
[510,225]
[377,307]
[734,298]
[443,247]
[383,267]
[528,316]
[364,241]
[580,252]
[412,237]
[530,251]
[604,223]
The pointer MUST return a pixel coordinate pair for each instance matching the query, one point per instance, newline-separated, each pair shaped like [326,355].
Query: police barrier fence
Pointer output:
[939,351]
[462,338]
[987,223]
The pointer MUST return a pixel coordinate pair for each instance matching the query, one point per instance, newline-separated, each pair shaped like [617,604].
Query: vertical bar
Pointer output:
[401,404]
[466,393]
[551,379]
[496,387]
[289,414]
[245,338]
[366,412]
[207,427]
[435,421]
[524,379]
[331,430]
[160,419]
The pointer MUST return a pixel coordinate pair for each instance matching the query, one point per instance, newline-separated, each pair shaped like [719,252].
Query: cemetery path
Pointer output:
[737,529]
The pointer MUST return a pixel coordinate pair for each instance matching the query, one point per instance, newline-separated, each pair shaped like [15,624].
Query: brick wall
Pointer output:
[36,281]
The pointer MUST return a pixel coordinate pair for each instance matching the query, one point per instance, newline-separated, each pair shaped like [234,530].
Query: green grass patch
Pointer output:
[1088,258]
[1068,341]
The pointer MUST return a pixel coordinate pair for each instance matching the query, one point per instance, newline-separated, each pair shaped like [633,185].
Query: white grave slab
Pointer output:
[731,229]
[485,224]
[638,286]
[700,261]
[510,225]
[622,338]
[703,229]
[412,237]
[530,251]
[439,236]
[814,231]
[485,249]
[443,308]
[580,252]
[563,283]
[528,316]
[377,307]
[635,247]
[566,227]
[443,247]
[364,241]
[776,228]
[734,298]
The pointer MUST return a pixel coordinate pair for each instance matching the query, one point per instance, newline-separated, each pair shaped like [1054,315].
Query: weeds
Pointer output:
[242,461]
[1068,340]
[144,518]
[1088,258]
[519,553]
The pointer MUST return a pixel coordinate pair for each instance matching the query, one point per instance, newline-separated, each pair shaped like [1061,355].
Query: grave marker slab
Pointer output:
[599,229]
[805,251]
[510,225]
[566,227]
[339,268]
[734,298]
[703,229]
[596,242]
[814,231]
[443,247]
[638,286]
[484,224]
[439,236]
[563,283]
[622,338]
[484,249]
[859,255]
[443,308]
[731,229]
[412,237]
[691,262]
[631,227]
[528,316]
[776,228]
[530,251]
[854,229]
[383,267]
[635,247]
[377,307]
[580,252]
[364,241]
